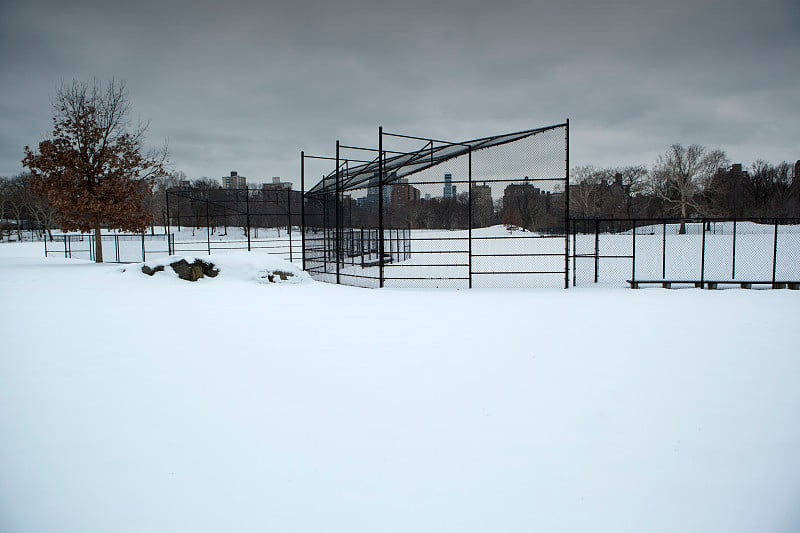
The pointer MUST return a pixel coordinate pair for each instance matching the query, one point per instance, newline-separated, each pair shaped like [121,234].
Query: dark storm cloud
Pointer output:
[245,86]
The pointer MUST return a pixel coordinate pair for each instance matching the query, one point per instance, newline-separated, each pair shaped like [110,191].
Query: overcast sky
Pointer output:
[245,86]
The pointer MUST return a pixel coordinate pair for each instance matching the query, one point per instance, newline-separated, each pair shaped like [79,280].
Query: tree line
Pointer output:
[93,172]
[687,182]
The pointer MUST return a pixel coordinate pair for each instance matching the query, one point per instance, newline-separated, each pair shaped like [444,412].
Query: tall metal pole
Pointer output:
[247,204]
[703,255]
[208,229]
[664,250]
[169,243]
[596,249]
[303,205]
[337,236]
[380,206]
[633,255]
[325,223]
[574,259]
[775,254]
[566,207]
[469,201]
[289,210]
[733,253]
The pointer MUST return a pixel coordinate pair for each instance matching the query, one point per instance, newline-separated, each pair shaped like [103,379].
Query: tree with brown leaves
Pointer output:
[93,170]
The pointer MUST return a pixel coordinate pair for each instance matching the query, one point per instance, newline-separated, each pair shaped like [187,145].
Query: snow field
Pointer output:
[229,404]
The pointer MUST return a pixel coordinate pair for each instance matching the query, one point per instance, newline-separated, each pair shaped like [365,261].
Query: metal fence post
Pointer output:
[733,254]
[566,206]
[168,229]
[208,229]
[289,211]
[143,250]
[247,215]
[469,201]
[703,255]
[303,206]
[380,206]
[337,236]
[664,250]
[596,249]
[633,254]
[574,248]
[116,247]
[774,253]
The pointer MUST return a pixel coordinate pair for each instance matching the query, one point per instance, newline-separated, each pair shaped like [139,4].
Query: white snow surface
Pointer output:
[132,404]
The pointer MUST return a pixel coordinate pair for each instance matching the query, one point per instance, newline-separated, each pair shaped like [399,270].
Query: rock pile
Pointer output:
[185,270]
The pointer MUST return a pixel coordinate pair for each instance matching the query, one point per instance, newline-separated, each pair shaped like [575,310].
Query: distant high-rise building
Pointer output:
[276,184]
[404,194]
[796,177]
[449,188]
[234,181]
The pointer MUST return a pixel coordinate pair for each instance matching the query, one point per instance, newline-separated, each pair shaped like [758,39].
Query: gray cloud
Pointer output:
[245,85]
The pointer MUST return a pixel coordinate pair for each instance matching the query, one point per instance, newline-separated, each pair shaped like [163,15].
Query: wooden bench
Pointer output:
[713,284]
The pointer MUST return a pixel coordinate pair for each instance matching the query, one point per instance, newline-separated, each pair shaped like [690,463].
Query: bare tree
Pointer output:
[589,192]
[634,184]
[4,204]
[680,177]
[15,193]
[93,170]
[158,203]
[38,209]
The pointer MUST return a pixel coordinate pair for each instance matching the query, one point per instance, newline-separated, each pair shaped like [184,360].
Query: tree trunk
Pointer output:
[682,230]
[98,244]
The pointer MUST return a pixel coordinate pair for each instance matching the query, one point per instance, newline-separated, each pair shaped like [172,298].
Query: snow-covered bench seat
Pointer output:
[713,284]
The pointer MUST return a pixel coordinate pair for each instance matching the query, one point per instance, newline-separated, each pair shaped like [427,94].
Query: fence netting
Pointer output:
[426,213]
[208,220]
[699,252]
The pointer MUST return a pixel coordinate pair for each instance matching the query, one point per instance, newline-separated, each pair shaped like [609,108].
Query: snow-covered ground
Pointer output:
[130,404]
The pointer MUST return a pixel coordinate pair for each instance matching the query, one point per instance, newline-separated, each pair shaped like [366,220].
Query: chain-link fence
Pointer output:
[117,247]
[688,252]
[265,219]
[420,212]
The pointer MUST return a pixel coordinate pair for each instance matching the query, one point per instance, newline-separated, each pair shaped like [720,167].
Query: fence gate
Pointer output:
[422,212]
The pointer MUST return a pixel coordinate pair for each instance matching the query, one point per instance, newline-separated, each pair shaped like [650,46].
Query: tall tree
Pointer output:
[158,203]
[680,177]
[5,204]
[93,170]
[589,193]
[633,182]
[16,195]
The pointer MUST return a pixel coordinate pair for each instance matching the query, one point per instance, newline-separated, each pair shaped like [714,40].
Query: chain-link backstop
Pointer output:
[421,212]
